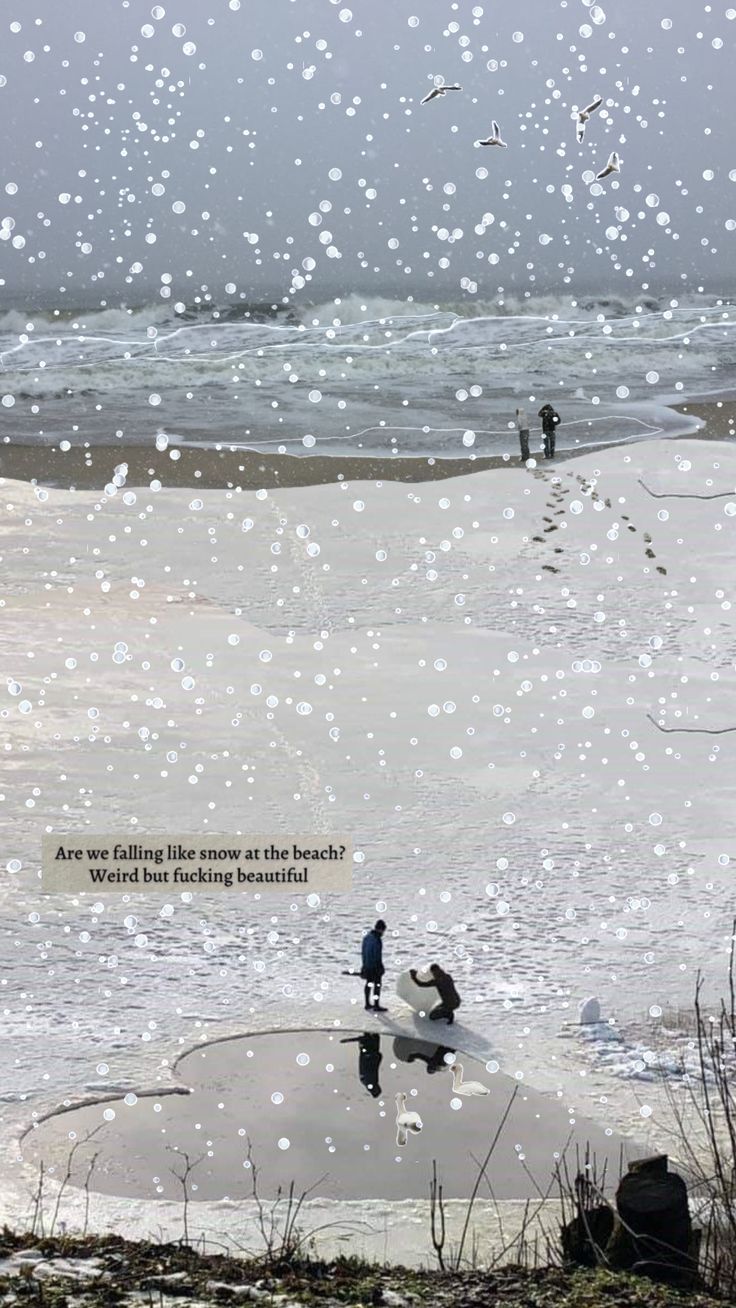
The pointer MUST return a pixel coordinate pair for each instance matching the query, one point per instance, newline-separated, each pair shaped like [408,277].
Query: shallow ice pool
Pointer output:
[320,1109]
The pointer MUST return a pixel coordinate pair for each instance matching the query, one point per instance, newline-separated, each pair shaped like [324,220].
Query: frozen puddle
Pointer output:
[319,1109]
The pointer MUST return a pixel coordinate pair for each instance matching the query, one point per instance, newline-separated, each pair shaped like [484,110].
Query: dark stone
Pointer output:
[655,1165]
[653,1235]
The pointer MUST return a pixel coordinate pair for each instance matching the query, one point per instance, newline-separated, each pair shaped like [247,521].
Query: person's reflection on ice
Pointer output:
[369,1060]
[419,1051]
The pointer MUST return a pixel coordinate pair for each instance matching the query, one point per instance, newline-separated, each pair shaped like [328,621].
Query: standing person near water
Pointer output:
[523,425]
[550,422]
[373,969]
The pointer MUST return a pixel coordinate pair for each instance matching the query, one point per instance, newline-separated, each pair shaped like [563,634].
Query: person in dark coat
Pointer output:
[449,998]
[550,422]
[369,1060]
[373,969]
[522,423]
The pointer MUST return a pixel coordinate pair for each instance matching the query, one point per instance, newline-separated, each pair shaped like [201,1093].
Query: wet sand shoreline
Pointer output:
[207,467]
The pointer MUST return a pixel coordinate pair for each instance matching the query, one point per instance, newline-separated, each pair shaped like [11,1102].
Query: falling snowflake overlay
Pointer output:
[223,236]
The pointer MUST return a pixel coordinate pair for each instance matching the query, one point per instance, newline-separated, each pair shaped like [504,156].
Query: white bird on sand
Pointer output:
[613,166]
[584,114]
[460,1087]
[405,1121]
[441,89]
[494,138]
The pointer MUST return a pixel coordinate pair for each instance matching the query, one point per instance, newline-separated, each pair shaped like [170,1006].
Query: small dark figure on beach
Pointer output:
[369,1060]
[550,422]
[373,969]
[443,982]
[522,423]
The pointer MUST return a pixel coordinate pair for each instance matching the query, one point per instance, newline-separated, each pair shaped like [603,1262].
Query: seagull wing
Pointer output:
[581,130]
[496,128]
[615,161]
[432,95]
[400,1136]
[454,87]
[594,104]
[605,172]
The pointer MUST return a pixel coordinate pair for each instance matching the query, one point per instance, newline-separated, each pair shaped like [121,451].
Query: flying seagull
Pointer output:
[495,137]
[613,166]
[442,89]
[584,114]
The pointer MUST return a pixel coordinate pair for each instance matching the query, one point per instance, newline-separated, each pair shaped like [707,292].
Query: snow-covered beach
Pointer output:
[505,686]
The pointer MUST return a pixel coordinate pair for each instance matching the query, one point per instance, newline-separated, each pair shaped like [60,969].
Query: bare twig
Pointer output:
[481,1173]
[68,1174]
[183,1178]
[684,495]
[278,1223]
[437,1208]
[704,1130]
[87,1180]
[693,731]
[37,1220]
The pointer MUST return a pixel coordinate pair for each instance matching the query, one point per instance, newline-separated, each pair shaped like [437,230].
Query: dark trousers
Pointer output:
[442,1011]
[549,443]
[524,443]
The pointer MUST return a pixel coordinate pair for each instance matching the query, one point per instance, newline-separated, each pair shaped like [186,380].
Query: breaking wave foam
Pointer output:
[342,364]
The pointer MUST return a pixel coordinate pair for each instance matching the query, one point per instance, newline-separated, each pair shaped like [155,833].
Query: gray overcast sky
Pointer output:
[115,116]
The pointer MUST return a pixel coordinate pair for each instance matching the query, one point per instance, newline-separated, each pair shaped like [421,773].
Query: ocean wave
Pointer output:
[355,361]
[352,309]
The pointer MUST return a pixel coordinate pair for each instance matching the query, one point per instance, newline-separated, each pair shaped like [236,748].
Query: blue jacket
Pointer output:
[372,954]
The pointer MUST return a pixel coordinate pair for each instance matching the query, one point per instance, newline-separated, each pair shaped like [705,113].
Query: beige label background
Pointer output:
[125,864]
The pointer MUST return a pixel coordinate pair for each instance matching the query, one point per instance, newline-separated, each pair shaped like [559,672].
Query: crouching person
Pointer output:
[445,986]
